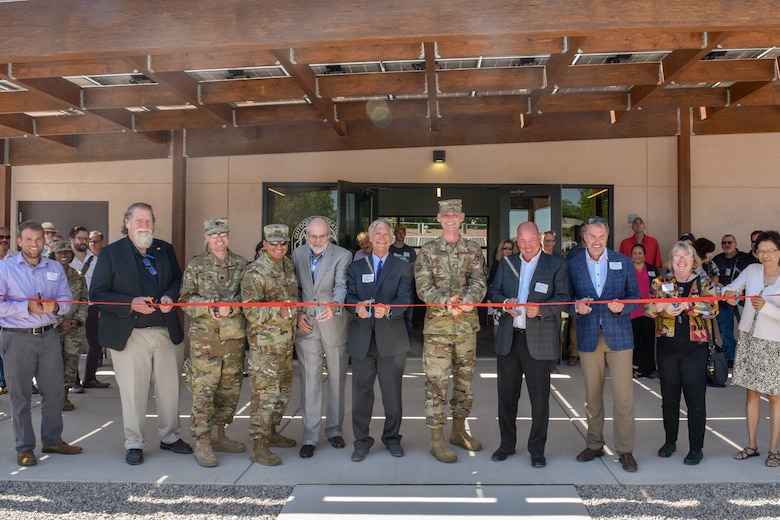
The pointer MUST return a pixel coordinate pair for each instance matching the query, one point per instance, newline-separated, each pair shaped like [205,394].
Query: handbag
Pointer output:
[717,365]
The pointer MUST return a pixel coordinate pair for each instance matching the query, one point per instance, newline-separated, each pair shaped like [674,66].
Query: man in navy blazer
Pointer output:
[600,279]
[136,280]
[382,287]
[528,337]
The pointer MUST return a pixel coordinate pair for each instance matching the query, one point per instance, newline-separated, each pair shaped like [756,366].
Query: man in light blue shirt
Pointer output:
[35,291]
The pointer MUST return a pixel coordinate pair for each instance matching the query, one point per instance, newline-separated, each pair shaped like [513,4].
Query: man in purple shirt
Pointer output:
[34,292]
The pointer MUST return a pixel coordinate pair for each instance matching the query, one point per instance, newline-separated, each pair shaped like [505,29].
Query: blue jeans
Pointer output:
[726,324]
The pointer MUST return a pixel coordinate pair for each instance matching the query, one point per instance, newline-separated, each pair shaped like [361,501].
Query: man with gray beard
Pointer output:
[136,281]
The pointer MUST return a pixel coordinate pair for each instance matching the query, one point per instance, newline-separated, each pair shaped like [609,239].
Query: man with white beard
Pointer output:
[140,277]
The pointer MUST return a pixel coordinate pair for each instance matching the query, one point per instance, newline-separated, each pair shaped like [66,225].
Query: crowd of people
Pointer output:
[332,308]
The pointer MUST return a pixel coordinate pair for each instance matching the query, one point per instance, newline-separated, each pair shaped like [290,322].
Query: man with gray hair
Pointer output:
[321,269]
[136,281]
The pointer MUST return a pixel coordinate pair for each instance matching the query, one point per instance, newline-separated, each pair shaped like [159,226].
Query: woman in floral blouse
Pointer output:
[682,330]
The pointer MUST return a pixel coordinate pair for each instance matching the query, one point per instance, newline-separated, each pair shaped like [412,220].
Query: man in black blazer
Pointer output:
[381,285]
[528,337]
[141,277]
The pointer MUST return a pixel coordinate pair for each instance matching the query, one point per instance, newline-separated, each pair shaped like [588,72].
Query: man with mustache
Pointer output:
[136,280]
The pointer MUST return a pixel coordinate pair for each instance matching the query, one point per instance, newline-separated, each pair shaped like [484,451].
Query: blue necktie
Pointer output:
[376,284]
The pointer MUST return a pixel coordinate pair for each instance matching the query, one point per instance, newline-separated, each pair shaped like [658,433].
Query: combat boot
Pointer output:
[439,448]
[221,442]
[459,436]
[204,455]
[261,454]
[277,440]
[67,406]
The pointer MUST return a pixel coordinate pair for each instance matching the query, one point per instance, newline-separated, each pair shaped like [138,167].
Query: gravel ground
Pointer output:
[24,500]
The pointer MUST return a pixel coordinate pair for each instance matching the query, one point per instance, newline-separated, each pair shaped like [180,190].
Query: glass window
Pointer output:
[293,204]
[578,204]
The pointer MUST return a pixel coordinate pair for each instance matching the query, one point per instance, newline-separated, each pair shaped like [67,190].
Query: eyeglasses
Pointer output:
[94,242]
[81,239]
[277,242]
[596,220]
[149,265]
[727,242]
[47,232]
[508,248]
[766,251]
[218,235]
[677,258]
[5,237]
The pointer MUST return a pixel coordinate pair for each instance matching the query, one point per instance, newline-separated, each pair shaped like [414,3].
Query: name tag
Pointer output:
[368,278]
[651,274]
[727,272]
[616,266]
[667,287]
[51,276]
[540,287]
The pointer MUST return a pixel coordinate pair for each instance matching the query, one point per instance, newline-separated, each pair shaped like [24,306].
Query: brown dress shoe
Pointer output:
[94,383]
[63,449]
[628,462]
[26,458]
[588,455]
[572,360]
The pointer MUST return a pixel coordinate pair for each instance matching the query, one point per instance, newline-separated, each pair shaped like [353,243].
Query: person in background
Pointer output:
[365,246]
[548,242]
[5,252]
[652,251]
[704,249]
[49,234]
[754,244]
[688,238]
[259,250]
[405,252]
[505,248]
[683,331]
[758,363]
[643,326]
[576,250]
[95,352]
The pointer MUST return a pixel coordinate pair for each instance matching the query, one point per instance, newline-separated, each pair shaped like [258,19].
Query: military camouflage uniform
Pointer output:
[73,341]
[215,368]
[441,272]
[271,340]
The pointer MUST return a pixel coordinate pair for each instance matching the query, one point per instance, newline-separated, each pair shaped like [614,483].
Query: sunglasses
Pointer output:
[596,220]
[149,266]
[507,248]
[95,241]
[5,237]
[278,242]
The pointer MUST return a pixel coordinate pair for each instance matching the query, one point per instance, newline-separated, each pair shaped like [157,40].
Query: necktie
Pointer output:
[376,284]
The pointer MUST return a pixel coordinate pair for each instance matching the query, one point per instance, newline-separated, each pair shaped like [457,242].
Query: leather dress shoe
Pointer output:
[589,454]
[359,455]
[501,454]
[573,360]
[26,458]
[180,447]
[134,456]
[693,457]
[94,383]
[628,462]
[667,449]
[396,450]
[337,441]
[63,449]
[307,451]
[538,461]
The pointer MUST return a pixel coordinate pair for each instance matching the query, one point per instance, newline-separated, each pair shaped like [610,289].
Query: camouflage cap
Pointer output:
[450,206]
[276,232]
[48,226]
[216,225]
[60,246]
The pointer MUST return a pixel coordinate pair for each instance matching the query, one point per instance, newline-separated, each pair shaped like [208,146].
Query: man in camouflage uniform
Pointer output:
[215,368]
[450,275]
[71,324]
[271,333]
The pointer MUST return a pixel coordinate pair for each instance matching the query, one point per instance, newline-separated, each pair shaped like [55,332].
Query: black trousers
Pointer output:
[390,371]
[95,352]
[511,369]
[682,368]
[644,344]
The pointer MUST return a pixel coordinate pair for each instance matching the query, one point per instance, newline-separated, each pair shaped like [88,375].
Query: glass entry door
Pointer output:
[538,203]
[357,209]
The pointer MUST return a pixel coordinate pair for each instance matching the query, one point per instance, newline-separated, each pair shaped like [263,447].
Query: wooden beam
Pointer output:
[611,75]
[484,80]
[627,41]
[459,107]
[58,90]
[688,97]
[371,84]
[147,95]
[27,126]
[391,51]
[280,114]
[395,110]
[555,68]
[214,58]
[173,120]
[587,102]
[92,66]
[503,45]
[26,101]
[431,85]
[684,172]
[712,71]
[304,77]
[265,89]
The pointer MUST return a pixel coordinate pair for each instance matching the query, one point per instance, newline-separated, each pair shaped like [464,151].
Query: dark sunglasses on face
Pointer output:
[5,237]
[278,242]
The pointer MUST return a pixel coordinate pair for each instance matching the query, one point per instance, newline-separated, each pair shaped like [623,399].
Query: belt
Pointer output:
[36,331]
[519,330]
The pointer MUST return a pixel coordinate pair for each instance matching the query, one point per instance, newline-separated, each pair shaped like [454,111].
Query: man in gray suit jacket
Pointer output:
[321,271]
[382,287]
[528,337]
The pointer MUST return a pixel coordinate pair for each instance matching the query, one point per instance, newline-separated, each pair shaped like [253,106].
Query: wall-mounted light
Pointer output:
[438,156]
[438,192]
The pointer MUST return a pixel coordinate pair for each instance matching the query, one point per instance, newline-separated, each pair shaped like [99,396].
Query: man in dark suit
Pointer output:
[605,338]
[381,285]
[528,337]
[142,277]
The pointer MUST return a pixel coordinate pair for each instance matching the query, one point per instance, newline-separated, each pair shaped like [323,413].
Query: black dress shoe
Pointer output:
[307,451]
[180,447]
[693,457]
[359,455]
[589,454]
[538,461]
[337,441]
[667,449]
[395,450]
[628,462]
[501,454]
[134,456]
